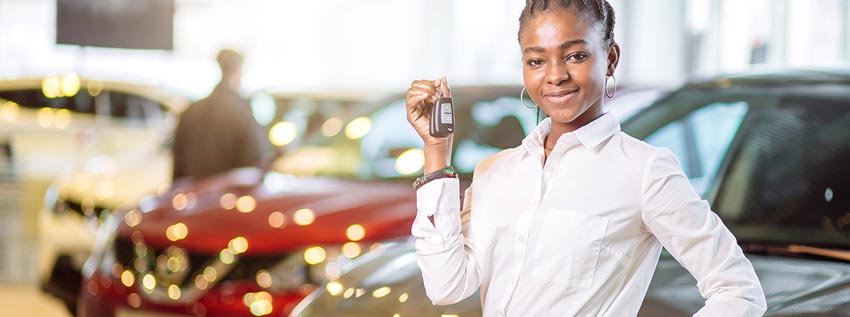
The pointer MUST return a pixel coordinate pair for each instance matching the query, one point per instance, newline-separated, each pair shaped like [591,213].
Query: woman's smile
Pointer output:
[560,97]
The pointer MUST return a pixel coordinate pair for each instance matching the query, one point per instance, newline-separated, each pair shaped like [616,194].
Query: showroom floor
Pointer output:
[19,295]
[27,300]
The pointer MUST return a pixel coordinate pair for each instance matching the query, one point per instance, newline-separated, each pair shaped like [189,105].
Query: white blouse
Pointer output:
[578,236]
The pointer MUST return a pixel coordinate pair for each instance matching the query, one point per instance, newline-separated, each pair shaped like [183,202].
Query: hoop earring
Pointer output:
[607,92]
[522,100]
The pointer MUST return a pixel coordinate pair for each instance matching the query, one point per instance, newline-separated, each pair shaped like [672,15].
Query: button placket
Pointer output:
[521,245]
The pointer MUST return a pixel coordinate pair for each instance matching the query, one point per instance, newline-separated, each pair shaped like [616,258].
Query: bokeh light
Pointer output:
[133,218]
[381,292]
[174,292]
[283,133]
[51,86]
[228,201]
[45,117]
[226,256]
[9,111]
[264,279]
[246,204]
[331,127]
[334,288]
[62,118]
[127,278]
[304,217]
[358,128]
[148,282]
[410,162]
[210,274]
[238,245]
[179,202]
[314,255]
[351,249]
[70,84]
[277,219]
[355,232]
[94,87]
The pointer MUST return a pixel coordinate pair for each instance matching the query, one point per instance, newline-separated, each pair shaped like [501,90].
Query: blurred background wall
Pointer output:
[384,44]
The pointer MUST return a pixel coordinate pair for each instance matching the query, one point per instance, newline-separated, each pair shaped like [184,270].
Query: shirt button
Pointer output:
[521,238]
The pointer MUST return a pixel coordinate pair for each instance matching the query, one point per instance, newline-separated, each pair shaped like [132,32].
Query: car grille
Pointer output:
[245,268]
[73,206]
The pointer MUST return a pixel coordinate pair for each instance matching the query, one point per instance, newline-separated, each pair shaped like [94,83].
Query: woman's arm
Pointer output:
[696,237]
[447,259]
[446,253]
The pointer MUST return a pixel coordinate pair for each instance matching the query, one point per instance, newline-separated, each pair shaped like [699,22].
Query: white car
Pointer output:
[100,143]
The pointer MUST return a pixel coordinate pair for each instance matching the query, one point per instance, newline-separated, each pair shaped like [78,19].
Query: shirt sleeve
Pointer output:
[446,255]
[698,239]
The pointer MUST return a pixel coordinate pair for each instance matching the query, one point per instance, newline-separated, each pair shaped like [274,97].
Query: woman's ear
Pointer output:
[613,58]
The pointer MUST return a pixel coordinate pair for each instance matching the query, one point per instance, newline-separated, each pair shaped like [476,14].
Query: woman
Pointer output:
[571,222]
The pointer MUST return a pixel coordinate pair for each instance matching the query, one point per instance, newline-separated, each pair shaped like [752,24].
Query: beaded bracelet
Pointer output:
[446,172]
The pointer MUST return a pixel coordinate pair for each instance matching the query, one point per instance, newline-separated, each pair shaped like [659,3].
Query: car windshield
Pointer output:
[131,108]
[772,162]
[380,144]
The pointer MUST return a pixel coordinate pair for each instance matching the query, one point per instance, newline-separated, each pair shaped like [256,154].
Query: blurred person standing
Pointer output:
[219,133]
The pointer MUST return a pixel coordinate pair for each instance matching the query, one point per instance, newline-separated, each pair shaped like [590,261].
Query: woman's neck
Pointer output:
[557,129]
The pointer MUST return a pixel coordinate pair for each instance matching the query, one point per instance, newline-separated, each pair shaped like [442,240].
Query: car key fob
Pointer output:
[442,118]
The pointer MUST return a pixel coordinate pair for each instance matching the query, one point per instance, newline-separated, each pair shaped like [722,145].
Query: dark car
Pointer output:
[769,151]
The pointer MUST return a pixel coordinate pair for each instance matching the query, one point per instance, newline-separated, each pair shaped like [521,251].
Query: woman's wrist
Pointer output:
[437,156]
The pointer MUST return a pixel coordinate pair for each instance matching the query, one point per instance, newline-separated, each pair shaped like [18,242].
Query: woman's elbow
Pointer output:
[442,298]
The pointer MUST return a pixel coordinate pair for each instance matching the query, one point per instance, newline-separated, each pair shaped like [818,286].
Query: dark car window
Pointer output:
[129,107]
[775,160]
[790,180]
[700,139]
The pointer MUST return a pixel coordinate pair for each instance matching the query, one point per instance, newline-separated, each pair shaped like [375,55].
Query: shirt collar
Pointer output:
[589,135]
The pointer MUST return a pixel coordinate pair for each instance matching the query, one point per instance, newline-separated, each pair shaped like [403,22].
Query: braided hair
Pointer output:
[600,10]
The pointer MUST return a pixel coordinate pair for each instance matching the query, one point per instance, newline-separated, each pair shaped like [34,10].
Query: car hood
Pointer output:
[114,181]
[384,210]
[793,287]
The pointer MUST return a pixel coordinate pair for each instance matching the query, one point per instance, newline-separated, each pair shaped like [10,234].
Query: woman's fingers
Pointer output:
[421,94]
[444,87]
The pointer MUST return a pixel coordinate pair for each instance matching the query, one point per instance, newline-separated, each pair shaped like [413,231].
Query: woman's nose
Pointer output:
[557,73]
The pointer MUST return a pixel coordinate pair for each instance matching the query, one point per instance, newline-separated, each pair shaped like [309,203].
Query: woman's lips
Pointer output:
[560,97]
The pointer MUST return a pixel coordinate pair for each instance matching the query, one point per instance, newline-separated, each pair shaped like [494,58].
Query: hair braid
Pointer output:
[600,10]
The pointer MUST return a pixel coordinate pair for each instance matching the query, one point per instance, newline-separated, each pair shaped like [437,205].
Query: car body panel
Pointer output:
[794,284]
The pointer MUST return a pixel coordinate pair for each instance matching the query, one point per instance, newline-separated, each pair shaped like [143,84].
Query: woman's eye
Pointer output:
[577,57]
[534,62]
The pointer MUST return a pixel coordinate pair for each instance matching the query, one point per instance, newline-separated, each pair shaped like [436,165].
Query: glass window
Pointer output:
[701,138]
[387,147]
[499,124]
[790,180]
[390,137]
[135,109]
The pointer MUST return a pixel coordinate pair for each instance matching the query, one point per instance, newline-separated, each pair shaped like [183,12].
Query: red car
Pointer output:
[245,243]
[254,243]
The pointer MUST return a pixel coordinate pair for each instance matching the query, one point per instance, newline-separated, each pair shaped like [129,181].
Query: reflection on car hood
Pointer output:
[793,287]
[384,210]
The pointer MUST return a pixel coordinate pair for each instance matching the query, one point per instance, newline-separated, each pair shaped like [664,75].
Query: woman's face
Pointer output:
[565,64]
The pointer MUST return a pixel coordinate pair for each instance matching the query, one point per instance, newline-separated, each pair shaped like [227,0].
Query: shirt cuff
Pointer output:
[441,199]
